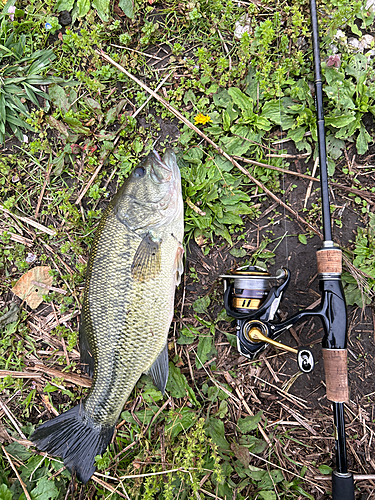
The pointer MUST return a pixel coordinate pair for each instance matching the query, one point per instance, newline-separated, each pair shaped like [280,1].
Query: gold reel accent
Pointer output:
[254,334]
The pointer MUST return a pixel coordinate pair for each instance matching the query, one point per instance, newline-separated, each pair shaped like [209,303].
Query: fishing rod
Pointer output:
[250,299]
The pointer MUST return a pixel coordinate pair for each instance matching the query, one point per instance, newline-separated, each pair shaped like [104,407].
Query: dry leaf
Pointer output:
[33,294]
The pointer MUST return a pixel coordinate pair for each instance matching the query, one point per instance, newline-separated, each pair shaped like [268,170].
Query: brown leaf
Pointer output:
[60,126]
[33,294]
[241,453]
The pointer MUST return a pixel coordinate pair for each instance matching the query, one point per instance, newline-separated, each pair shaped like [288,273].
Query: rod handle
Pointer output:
[342,486]
[329,260]
[336,371]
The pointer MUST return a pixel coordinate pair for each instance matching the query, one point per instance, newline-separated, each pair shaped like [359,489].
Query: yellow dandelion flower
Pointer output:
[201,118]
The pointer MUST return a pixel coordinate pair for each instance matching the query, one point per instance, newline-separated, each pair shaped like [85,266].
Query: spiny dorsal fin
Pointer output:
[146,262]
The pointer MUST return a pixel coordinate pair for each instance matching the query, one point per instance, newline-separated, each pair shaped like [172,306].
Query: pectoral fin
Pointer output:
[159,370]
[146,263]
[179,264]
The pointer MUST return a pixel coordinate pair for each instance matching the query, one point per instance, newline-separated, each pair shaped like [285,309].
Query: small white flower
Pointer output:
[25,138]
[11,12]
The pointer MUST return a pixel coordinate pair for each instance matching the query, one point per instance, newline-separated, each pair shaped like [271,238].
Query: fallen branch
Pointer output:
[69,377]
[23,485]
[206,138]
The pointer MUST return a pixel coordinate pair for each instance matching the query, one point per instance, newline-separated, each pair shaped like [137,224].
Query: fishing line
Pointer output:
[281,129]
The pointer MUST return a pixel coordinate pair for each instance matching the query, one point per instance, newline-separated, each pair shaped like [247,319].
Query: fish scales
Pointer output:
[134,266]
[125,315]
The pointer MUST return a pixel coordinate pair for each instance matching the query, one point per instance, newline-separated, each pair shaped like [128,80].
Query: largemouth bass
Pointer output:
[133,269]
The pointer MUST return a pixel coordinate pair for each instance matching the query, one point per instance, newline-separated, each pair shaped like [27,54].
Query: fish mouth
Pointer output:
[160,170]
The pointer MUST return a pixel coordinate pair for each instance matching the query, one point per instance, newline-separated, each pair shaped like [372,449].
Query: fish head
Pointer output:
[151,196]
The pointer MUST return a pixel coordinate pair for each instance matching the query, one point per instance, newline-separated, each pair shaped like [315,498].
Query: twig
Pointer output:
[69,377]
[49,287]
[150,97]
[137,51]
[19,239]
[7,373]
[196,209]
[279,169]
[43,189]
[12,419]
[299,419]
[309,188]
[108,486]
[206,138]
[23,485]
[231,382]
[31,222]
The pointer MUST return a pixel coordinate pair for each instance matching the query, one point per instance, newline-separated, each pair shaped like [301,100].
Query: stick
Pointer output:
[206,138]
[18,476]
[12,419]
[45,229]
[42,190]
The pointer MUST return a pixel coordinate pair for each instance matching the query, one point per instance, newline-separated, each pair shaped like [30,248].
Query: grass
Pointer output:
[71,133]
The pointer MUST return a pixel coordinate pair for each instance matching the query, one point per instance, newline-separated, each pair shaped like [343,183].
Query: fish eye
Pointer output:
[139,172]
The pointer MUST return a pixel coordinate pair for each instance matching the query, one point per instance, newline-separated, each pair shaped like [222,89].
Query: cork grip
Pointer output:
[329,260]
[336,370]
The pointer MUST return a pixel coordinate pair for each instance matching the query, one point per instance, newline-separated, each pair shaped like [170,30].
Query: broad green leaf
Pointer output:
[189,96]
[5,493]
[177,385]
[194,155]
[205,351]
[127,6]
[238,252]
[64,5]
[325,469]
[149,392]
[244,102]
[334,146]
[58,97]
[19,451]
[76,125]
[363,140]
[102,6]
[268,495]
[273,111]
[297,134]
[254,444]
[339,121]
[215,429]
[249,423]
[83,7]
[200,305]
[93,105]
[302,239]
[178,421]
[226,121]
[222,98]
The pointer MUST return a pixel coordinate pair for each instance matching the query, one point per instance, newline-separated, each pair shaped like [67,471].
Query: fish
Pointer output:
[135,264]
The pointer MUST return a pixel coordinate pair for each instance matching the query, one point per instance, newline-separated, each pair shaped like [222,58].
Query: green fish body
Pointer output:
[134,267]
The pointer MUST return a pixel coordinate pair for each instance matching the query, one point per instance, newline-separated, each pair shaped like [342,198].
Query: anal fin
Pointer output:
[159,370]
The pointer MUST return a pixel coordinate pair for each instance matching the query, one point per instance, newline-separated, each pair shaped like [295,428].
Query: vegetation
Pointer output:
[72,128]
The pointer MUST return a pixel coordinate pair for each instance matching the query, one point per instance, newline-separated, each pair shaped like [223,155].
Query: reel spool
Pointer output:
[250,289]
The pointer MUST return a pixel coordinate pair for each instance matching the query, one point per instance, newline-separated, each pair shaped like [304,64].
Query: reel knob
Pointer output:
[305,360]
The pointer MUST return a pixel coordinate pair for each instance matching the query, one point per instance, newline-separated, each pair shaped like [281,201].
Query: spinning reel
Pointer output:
[250,299]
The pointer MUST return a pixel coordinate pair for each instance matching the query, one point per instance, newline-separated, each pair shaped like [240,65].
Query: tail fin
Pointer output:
[76,438]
